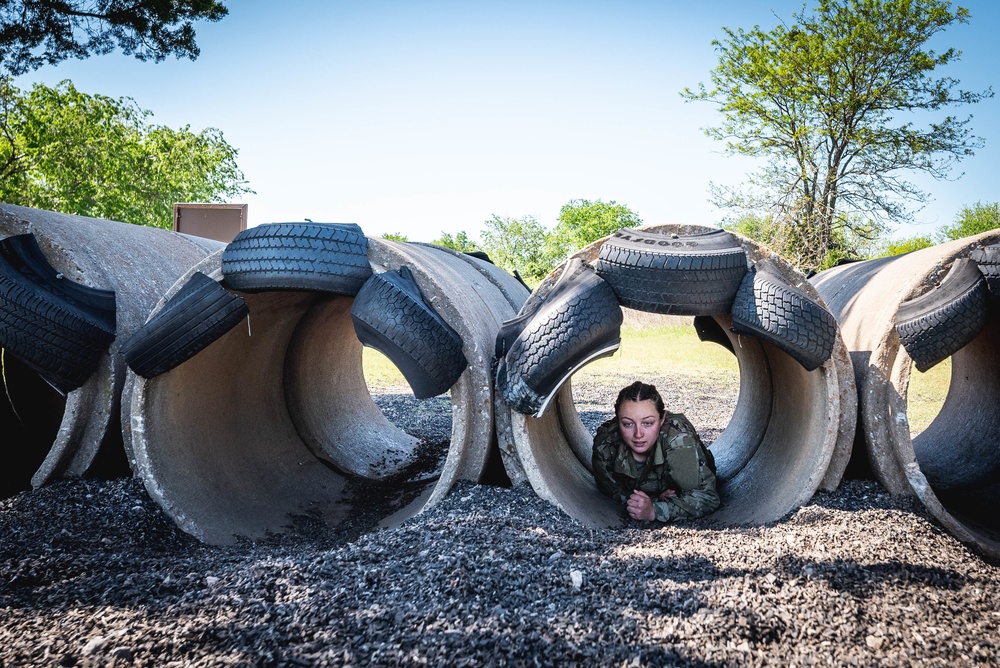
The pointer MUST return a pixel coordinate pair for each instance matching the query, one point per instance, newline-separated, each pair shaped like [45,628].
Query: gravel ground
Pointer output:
[92,573]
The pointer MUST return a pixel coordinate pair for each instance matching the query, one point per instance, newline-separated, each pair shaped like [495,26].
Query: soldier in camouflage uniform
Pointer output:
[653,461]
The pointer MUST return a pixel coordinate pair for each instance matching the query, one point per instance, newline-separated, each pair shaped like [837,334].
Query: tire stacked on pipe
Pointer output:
[198,314]
[59,328]
[929,302]
[579,322]
[278,421]
[794,422]
[105,277]
[391,315]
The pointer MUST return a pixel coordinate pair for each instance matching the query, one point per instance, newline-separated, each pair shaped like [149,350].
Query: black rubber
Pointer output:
[579,322]
[55,337]
[196,315]
[940,322]
[391,315]
[696,274]
[24,254]
[770,308]
[987,259]
[325,257]
[480,255]
[511,329]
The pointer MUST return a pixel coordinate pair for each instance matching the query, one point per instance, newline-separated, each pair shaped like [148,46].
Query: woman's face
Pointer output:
[639,423]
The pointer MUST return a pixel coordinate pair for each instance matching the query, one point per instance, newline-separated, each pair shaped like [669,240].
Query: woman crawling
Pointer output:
[653,461]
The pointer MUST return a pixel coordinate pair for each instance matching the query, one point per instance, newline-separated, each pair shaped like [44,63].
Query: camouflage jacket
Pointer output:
[679,461]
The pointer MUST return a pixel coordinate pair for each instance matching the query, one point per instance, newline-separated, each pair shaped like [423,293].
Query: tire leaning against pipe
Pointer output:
[959,448]
[790,434]
[234,441]
[138,263]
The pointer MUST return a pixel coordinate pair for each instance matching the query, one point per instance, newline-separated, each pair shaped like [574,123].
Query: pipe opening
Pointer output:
[31,411]
[276,420]
[772,427]
[787,430]
[926,394]
[697,378]
[958,451]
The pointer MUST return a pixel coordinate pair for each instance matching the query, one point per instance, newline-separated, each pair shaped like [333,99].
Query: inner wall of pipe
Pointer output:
[214,441]
[771,456]
[260,427]
[959,452]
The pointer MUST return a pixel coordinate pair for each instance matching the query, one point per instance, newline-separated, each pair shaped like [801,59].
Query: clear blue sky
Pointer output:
[424,117]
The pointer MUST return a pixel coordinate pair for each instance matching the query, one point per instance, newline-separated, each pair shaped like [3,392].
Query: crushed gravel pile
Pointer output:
[92,573]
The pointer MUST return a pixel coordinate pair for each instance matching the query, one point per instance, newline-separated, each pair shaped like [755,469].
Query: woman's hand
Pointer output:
[640,507]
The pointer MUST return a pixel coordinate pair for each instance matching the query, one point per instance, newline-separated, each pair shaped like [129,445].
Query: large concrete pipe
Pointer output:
[790,433]
[959,451]
[60,436]
[270,420]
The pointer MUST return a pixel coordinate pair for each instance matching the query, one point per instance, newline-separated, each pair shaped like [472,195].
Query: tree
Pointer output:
[517,243]
[96,156]
[395,236]
[828,102]
[976,219]
[38,32]
[460,242]
[582,222]
[851,238]
[901,246]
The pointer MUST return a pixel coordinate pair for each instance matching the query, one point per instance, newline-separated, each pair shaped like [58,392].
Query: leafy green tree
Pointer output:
[518,243]
[830,102]
[851,237]
[35,32]
[900,246]
[459,242]
[971,220]
[395,236]
[96,156]
[582,222]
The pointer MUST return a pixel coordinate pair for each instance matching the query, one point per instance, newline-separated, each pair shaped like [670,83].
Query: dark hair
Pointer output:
[639,391]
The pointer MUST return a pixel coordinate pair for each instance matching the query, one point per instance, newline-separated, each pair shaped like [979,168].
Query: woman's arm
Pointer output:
[696,495]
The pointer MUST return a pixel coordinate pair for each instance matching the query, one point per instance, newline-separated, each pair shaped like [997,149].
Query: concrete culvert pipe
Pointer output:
[953,466]
[274,419]
[789,435]
[62,435]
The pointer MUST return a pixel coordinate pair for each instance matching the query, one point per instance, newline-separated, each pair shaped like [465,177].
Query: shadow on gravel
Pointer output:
[863,580]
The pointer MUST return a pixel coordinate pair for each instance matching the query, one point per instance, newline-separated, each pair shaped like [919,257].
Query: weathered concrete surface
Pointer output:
[233,441]
[139,263]
[954,465]
[789,435]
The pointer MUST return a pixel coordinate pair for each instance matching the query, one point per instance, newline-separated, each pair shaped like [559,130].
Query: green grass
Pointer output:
[380,373]
[926,394]
[659,351]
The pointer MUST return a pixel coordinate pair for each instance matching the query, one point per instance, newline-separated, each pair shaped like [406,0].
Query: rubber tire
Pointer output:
[511,329]
[771,309]
[695,274]
[987,259]
[391,315]
[325,257]
[200,312]
[24,254]
[56,338]
[577,324]
[938,323]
